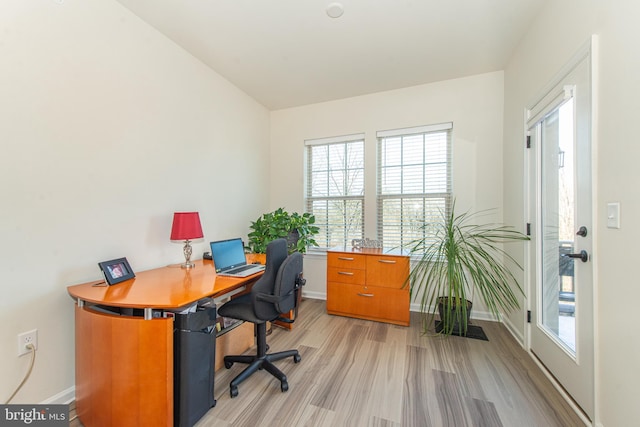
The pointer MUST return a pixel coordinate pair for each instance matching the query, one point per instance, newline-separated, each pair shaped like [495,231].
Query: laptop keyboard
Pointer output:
[239,269]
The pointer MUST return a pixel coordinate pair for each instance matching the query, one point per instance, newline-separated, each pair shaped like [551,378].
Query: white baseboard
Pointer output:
[63,398]
[314,295]
[483,315]
[514,332]
[475,314]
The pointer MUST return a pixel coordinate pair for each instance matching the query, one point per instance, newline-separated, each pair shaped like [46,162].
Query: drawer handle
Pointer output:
[344,258]
[345,273]
[365,295]
[386,261]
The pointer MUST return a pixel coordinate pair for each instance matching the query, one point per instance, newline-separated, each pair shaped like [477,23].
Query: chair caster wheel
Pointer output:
[284,386]
[296,358]
[228,365]
[233,392]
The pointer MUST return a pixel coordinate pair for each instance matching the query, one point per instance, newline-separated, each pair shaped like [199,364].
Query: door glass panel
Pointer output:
[558,302]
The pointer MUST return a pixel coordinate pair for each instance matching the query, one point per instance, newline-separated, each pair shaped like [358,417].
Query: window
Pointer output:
[335,188]
[414,181]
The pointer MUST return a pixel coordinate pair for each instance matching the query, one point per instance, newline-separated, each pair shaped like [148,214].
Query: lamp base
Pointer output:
[187,255]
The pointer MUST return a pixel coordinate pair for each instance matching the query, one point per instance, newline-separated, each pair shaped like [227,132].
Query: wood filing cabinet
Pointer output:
[368,284]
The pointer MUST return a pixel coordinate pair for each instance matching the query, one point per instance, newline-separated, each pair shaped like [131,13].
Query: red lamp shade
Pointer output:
[186,226]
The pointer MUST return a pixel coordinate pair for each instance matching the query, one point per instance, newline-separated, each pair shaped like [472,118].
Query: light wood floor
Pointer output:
[360,373]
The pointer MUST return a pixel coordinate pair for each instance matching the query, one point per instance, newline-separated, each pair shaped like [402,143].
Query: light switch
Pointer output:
[613,215]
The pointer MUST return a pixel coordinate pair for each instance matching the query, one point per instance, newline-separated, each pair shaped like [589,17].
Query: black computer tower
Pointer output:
[194,360]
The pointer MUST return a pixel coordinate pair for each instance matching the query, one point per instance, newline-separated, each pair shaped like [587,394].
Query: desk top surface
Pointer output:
[163,288]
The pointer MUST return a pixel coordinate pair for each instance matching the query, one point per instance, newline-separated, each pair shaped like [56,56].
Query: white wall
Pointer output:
[106,129]
[473,104]
[556,35]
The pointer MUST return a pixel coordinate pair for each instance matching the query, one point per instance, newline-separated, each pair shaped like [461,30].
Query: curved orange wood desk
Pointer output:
[124,364]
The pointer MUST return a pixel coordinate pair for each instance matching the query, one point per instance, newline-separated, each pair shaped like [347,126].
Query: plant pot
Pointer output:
[261,258]
[292,240]
[457,328]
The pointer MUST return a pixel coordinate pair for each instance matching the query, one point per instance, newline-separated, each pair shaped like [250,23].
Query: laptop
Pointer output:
[229,259]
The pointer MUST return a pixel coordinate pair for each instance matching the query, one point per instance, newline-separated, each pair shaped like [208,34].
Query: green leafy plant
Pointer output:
[297,229]
[457,258]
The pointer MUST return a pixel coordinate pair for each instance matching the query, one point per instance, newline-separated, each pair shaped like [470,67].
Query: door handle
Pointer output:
[583,256]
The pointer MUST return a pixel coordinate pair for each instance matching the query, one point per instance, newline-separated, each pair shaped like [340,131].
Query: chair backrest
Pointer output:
[276,254]
[285,285]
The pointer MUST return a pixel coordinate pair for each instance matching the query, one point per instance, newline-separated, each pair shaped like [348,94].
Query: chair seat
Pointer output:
[240,308]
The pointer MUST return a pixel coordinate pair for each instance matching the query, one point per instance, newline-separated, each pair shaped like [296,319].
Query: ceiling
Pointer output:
[287,53]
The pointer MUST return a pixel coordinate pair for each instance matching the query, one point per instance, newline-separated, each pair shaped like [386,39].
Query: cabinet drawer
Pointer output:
[345,260]
[369,302]
[345,275]
[387,271]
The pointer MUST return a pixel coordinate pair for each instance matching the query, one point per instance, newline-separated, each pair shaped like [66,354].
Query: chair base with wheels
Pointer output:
[260,361]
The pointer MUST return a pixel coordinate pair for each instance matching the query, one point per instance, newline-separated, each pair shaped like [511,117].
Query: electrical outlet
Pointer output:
[26,338]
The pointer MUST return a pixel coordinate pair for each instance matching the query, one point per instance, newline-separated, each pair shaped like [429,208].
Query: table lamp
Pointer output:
[186,226]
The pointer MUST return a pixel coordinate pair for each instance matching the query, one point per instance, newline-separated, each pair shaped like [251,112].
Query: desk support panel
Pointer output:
[124,370]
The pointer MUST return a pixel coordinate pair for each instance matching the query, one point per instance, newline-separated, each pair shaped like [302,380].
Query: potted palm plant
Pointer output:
[296,228]
[458,257]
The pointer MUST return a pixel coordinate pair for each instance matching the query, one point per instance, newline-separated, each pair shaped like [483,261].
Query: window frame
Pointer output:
[425,196]
[309,198]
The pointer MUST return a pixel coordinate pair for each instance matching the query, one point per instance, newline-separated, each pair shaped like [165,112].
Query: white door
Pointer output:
[560,264]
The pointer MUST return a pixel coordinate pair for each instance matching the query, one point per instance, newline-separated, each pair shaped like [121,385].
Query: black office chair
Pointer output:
[274,293]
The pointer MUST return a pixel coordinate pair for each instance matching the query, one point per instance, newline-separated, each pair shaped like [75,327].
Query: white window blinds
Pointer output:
[334,191]
[414,181]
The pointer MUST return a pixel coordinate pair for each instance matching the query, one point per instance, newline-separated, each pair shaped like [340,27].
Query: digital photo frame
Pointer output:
[116,270]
